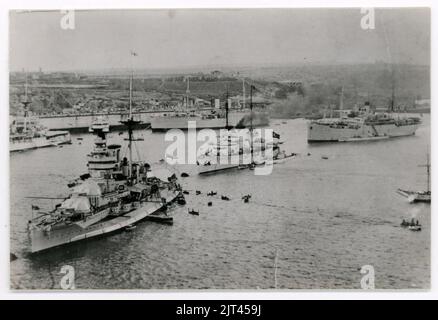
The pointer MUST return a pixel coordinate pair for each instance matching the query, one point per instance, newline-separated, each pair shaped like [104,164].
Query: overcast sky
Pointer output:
[102,39]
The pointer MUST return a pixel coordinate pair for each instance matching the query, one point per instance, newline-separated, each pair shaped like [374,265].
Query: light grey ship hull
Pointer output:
[216,168]
[43,240]
[324,133]
[52,139]
[235,119]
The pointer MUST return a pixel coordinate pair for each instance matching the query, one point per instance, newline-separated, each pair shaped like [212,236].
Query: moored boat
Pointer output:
[414,228]
[364,126]
[419,196]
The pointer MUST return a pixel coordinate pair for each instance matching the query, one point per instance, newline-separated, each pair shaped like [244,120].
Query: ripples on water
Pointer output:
[321,220]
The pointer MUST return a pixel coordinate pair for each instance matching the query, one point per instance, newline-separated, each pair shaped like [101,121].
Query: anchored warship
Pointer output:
[114,194]
[26,132]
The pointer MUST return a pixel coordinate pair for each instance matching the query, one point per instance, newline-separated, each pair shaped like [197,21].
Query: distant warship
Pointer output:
[25,132]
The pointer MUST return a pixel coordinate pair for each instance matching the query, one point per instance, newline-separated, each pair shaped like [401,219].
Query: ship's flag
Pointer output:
[275,135]
[35,207]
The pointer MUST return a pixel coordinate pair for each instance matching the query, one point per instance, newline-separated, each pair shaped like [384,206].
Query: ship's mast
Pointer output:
[243,92]
[427,166]
[130,93]
[392,89]
[391,61]
[130,127]
[226,123]
[25,88]
[250,123]
[392,99]
[226,110]
[187,92]
[26,102]
[130,122]
[428,174]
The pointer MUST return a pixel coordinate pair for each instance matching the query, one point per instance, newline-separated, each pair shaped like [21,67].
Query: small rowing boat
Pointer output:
[193,212]
[414,228]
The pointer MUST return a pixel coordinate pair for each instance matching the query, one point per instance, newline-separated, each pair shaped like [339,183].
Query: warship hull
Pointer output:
[50,140]
[216,168]
[42,240]
[21,146]
[235,119]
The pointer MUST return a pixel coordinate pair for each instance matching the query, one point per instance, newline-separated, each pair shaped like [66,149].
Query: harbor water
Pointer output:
[311,224]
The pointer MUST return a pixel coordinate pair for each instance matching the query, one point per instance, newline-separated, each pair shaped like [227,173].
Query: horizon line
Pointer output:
[213,67]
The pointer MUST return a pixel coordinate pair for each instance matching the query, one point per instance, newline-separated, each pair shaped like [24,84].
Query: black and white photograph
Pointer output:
[215,149]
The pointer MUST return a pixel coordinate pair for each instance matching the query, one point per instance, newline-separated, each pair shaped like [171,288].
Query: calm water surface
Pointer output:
[318,221]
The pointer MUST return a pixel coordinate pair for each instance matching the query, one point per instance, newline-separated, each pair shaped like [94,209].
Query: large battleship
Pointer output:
[26,132]
[361,125]
[114,194]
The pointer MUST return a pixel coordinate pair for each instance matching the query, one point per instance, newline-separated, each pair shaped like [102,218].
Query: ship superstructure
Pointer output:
[100,122]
